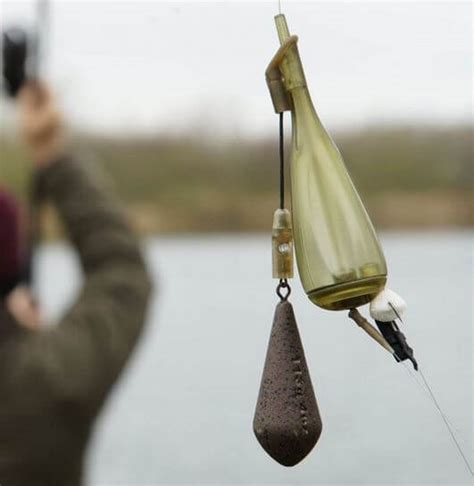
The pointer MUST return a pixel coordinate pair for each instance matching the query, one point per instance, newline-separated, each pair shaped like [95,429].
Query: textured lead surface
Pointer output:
[287,422]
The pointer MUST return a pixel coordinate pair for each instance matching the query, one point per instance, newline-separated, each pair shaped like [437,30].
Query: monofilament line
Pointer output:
[279,7]
[446,423]
[282,162]
[422,389]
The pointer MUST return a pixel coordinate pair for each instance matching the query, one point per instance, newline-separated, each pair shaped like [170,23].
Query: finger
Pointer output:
[34,95]
[36,125]
[32,113]
[48,133]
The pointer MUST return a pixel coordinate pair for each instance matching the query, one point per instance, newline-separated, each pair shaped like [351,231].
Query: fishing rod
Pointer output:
[340,262]
[23,60]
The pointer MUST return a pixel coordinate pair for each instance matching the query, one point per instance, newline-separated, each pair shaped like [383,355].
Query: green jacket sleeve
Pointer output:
[80,359]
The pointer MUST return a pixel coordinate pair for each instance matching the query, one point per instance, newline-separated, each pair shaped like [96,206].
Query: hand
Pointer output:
[41,123]
[24,308]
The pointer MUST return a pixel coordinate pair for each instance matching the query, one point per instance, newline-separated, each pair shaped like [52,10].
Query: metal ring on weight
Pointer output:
[283,289]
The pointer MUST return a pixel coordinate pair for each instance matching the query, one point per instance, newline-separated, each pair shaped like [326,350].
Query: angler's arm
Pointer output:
[81,358]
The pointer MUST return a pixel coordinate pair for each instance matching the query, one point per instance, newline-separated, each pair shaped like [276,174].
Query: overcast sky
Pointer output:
[150,65]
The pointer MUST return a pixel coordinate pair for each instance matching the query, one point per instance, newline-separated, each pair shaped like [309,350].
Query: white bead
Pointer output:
[381,306]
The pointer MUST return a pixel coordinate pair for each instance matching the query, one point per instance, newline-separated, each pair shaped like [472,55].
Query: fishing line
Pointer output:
[422,388]
[395,312]
[443,416]
[429,393]
[423,385]
[424,391]
[282,163]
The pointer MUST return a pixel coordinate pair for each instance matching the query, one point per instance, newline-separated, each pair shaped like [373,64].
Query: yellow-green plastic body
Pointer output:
[340,261]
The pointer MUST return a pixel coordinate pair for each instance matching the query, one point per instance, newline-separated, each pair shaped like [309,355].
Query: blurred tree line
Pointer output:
[408,177]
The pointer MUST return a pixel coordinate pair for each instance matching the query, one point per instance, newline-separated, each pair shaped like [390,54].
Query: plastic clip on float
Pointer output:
[339,258]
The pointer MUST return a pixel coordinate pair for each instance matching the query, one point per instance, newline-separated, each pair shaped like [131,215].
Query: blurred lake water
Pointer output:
[182,414]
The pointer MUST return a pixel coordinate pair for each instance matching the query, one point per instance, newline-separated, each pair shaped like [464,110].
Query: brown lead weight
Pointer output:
[287,422]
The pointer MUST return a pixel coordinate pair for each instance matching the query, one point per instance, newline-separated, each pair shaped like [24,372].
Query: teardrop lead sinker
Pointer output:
[287,422]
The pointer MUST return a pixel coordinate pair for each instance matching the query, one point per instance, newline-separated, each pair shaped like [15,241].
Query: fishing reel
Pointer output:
[22,49]
[17,49]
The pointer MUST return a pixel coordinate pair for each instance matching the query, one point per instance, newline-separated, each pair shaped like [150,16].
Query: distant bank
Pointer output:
[409,177]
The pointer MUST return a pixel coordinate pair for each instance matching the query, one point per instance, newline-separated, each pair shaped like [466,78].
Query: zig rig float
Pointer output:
[340,263]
